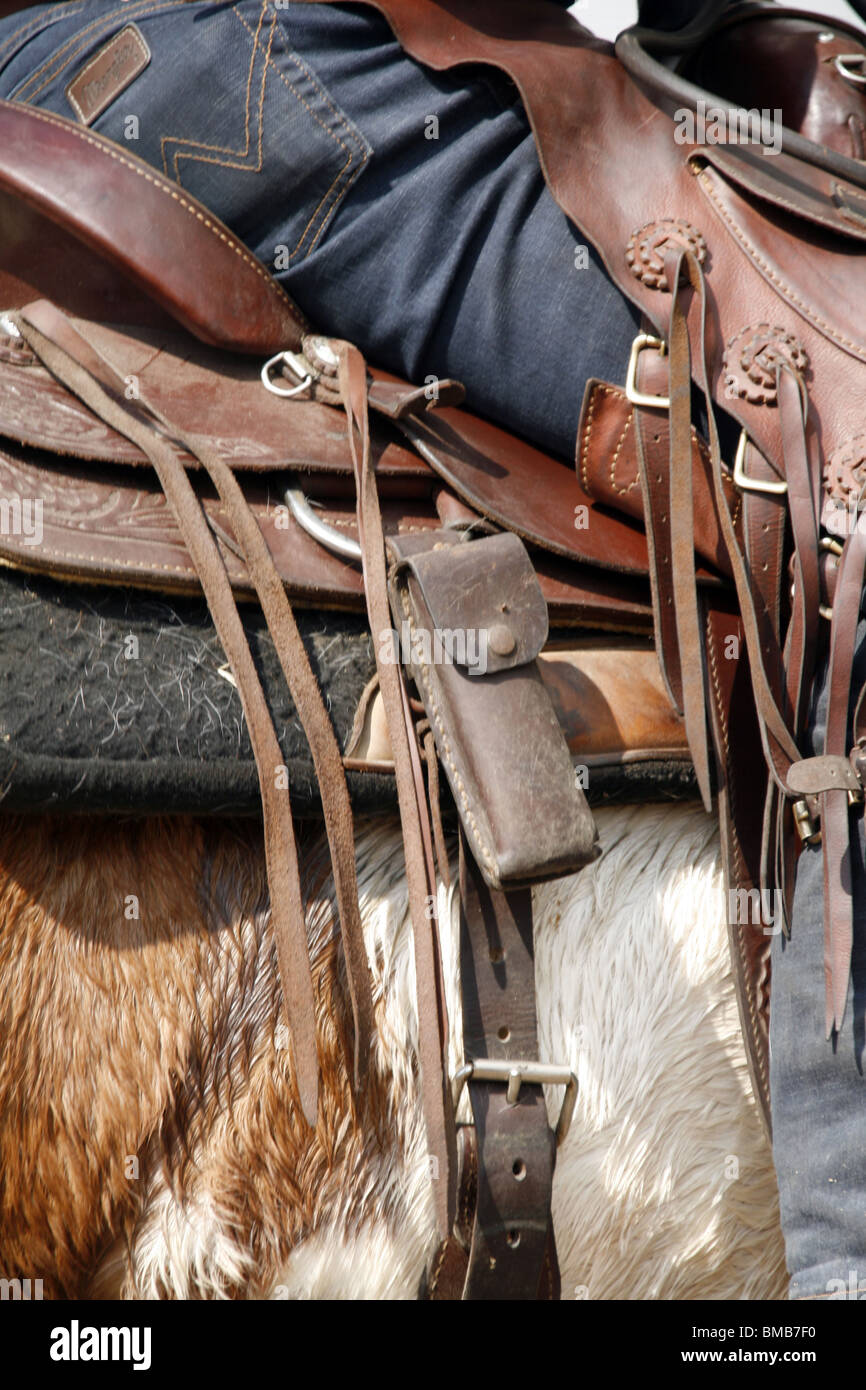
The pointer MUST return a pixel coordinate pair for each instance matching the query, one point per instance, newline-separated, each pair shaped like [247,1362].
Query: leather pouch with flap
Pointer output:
[470,621]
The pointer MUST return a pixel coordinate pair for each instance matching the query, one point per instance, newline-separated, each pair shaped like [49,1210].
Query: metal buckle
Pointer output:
[296,364]
[806,828]
[640,344]
[514,1074]
[857,759]
[747,484]
[836,548]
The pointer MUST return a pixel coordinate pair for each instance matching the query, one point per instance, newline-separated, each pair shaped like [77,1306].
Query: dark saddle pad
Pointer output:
[117,700]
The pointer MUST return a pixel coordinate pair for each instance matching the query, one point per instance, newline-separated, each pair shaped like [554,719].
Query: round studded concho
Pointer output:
[752,359]
[647,247]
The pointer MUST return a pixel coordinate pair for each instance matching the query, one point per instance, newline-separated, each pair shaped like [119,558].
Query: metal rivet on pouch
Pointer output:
[501,639]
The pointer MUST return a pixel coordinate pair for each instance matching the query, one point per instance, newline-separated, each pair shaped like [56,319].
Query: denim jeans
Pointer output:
[402,209]
[818,1093]
[406,210]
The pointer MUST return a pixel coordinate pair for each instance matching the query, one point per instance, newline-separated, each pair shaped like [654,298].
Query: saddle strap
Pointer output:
[71,358]
[507,1161]
[351,381]
[231,303]
[652,446]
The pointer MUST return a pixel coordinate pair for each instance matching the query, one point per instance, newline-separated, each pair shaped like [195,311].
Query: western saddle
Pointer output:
[158,392]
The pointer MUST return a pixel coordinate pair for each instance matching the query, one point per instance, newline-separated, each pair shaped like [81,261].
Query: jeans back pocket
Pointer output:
[226,107]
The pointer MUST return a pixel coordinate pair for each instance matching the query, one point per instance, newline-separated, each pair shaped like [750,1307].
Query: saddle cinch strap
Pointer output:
[535,820]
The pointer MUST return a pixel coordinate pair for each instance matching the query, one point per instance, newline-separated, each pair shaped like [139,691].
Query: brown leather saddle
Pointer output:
[175,419]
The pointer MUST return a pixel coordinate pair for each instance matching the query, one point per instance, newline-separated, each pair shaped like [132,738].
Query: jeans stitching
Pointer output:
[223,149]
[330,198]
[91,31]
[347,171]
[356,153]
[33,26]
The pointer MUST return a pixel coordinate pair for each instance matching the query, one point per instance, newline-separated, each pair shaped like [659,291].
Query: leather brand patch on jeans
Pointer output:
[104,77]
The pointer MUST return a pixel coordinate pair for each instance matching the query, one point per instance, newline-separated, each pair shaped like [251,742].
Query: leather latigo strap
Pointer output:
[351,382]
[623,459]
[740,781]
[76,362]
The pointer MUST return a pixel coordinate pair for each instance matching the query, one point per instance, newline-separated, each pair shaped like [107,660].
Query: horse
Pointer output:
[150,1149]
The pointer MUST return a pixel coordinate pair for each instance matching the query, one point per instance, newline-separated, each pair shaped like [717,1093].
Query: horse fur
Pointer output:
[151,1144]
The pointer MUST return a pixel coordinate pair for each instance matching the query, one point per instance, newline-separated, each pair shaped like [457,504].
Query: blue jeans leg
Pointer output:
[818,1093]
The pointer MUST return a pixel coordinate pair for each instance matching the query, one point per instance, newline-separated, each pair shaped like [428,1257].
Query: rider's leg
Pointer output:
[818,1093]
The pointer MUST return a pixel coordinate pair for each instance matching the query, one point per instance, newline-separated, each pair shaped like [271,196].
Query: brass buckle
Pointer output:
[642,342]
[516,1074]
[747,484]
[835,547]
[807,829]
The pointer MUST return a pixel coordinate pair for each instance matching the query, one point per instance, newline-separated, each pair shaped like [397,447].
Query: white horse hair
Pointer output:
[664,1188]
